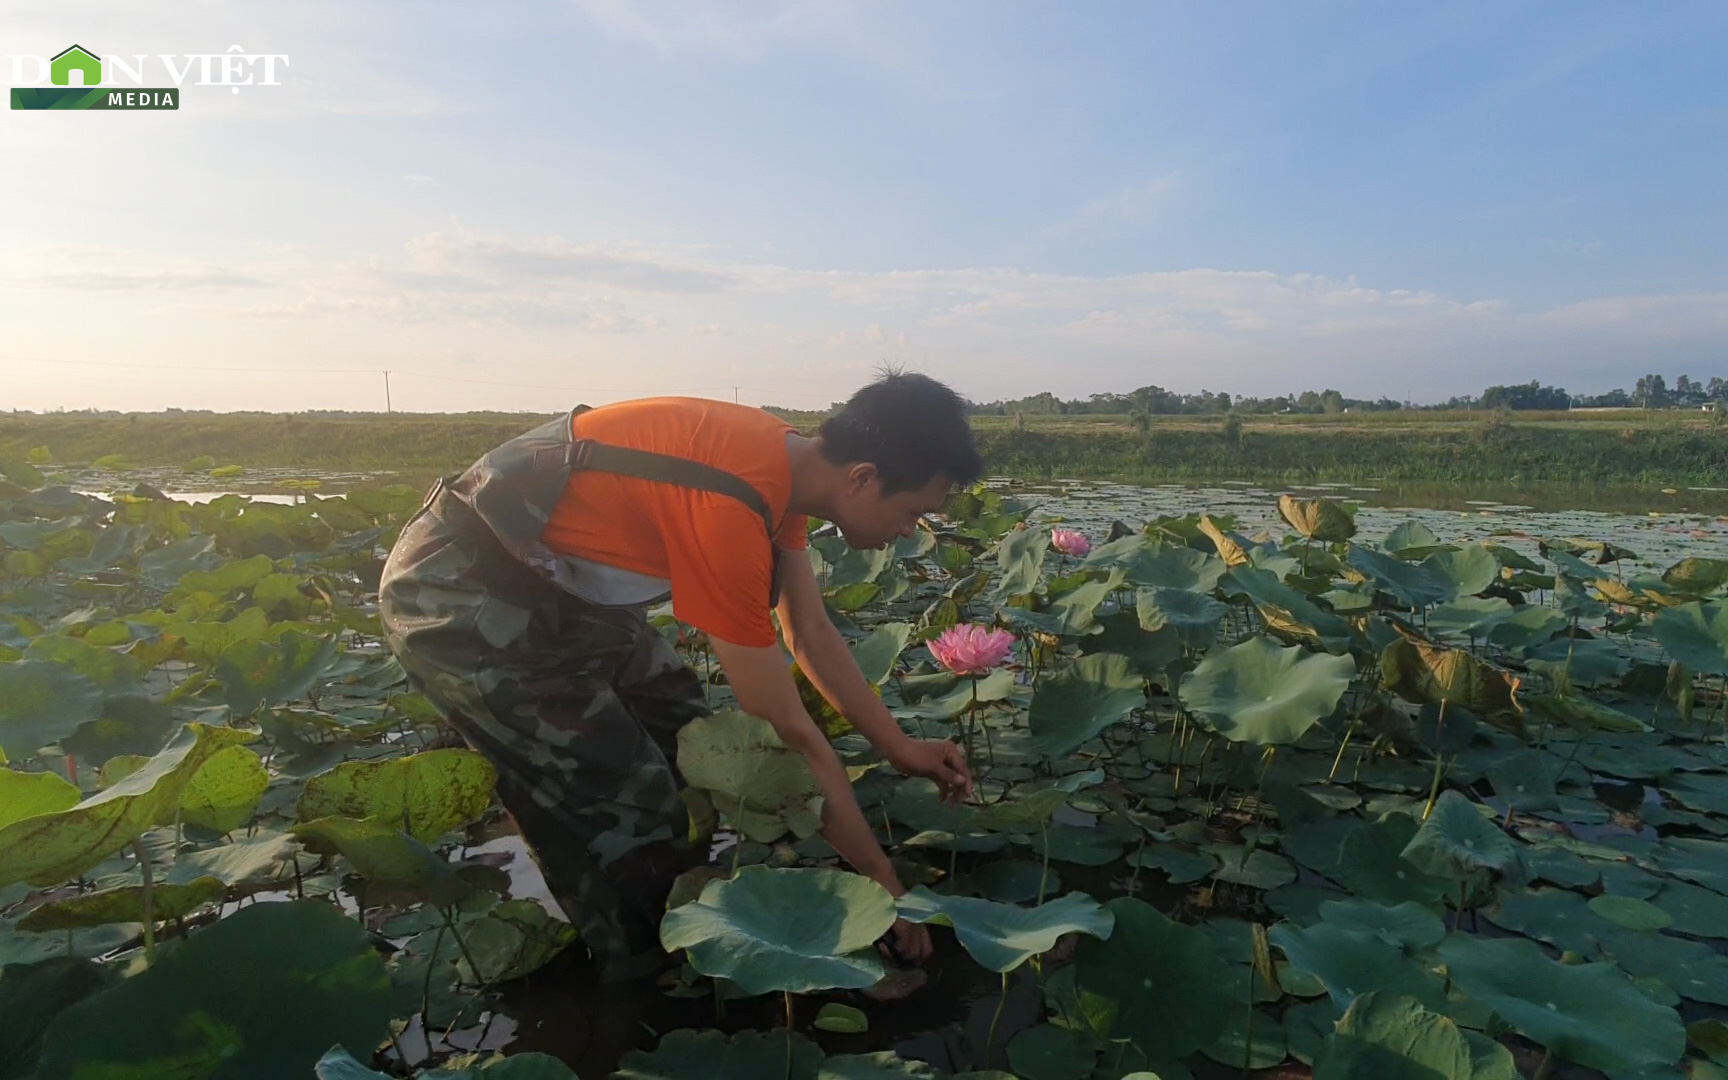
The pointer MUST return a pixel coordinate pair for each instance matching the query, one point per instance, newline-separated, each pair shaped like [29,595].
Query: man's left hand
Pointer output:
[941,761]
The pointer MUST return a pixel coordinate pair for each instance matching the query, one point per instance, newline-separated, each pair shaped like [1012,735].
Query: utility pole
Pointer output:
[734,395]
[387,409]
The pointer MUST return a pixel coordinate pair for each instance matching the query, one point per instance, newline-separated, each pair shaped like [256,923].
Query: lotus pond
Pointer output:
[1274,786]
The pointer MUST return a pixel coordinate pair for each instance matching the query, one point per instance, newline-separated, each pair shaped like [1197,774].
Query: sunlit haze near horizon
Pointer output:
[520,206]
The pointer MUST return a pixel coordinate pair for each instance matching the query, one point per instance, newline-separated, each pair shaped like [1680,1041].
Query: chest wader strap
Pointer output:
[587,454]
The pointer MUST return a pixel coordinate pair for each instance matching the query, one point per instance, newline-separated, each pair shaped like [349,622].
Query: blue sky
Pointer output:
[520,205]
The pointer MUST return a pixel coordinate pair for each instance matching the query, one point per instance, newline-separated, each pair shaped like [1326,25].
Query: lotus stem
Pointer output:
[738,847]
[1463,898]
[143,853]
[788,995]
[1439,760]
[462,946]
[1541,1072]
[990,1039]
[1248,1030]
[1338,758]
[1044,870]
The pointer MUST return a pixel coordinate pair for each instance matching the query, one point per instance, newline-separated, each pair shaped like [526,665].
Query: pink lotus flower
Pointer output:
[1070,542]
[970,649]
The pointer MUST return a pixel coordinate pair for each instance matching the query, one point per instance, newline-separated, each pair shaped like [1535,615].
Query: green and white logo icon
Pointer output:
[76,59]
[77,77]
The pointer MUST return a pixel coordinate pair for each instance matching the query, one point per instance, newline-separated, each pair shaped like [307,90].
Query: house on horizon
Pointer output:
[77,58]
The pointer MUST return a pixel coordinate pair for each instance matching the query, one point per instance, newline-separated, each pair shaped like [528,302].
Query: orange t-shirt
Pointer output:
[711,547]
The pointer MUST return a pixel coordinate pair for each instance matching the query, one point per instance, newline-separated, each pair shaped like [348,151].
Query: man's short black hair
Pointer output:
[911,427]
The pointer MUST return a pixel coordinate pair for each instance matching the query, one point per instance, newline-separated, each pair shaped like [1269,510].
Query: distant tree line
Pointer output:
[1650,392]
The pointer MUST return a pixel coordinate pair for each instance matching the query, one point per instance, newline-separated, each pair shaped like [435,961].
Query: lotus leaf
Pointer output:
[49,848]
[1079,844]
[30,996]
[1015,881]
[1020,558]
[1631,913]
[259,995]
[123,904]
[1227,546]
[228,578]
[1704,862]
[1371,863]
[1317,519]
[792,930]
[1693,969]
[42,702]
[1257,869]
[1420,672]
[1526,626]
[1559,917]
[1696,576]
[752,776]
[1465,571]
[1286,611]
[111,670]
[1409,925]
[711,1055]
[995,686]
[876,654]
[1457,841]
[1588,1013]
[1410,535]
[339,1064]
[1392,1037]
[425,794]
[223,793]
[1048,1052]
[1160,976]
[1413,586]
[1030,809]
[1162,566]
[1470,616]
[1194,616]
[1574,662]
[1259,693]
[235,862]
[884,1065]
[1584,714]
[1001,937]
[841,1019]
[1696,634]
[1180,865]
[1075,706]
[1696,911]
[394,864]
[513,939]
[129,724]
[1352,962]
[258,673]
[24,795]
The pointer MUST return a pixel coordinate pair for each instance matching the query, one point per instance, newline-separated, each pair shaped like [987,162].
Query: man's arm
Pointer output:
[824,657]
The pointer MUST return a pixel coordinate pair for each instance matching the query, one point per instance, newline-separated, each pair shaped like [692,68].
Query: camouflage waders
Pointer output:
[577,704]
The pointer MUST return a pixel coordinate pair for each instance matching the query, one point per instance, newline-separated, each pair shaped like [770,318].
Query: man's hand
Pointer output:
[941,761]
[910,941]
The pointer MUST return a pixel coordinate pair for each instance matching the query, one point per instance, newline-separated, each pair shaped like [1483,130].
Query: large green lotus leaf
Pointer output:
[111,670]
[1287,612]
[164,566]
[1410,535]
[883,1065]
[1704,862]
[1193,616]
[129,724]
[1410,584]
[1409,925]
[122,904]
[1161,977]
[1182,866]
[1257,692]
[259,673]
[1020,558]
[1150,653]
[1257,868]
[1696,634]
[1075,706]
[49,848]
[1079,844]
[710,1055]
[394,864]
[876,654]
[24,795]
[1457,840]
[1692,968]
[858,566]
[233,862]
[1030,809]
[995,686]
[1371,864]
[228,578]
[1529,625]
[1580,662]
[1470,616]
[425,794]
[1588,1013]
[513,939]
[1696,911]
[765,787]
[1003,936]
[260,995]
[1584,714]
[1048,1052]
[1353,962]
[1706,792]
[1016,881]
[224,792]
[30,997]
[1696,576]
[1392,1037]
[1163,566]
[793,930]
[1560,917]
[338,1064]
[1465,571]
[1317,519]
[42,702]
[1419,672]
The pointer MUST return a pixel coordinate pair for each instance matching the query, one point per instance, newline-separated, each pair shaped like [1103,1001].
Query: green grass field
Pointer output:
[1625,447]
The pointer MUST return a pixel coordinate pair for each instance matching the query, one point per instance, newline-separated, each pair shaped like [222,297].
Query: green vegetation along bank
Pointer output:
[1608,447]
